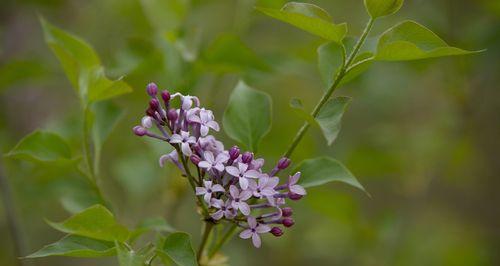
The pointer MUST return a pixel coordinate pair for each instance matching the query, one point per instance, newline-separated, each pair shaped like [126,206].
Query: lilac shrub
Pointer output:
[230,185]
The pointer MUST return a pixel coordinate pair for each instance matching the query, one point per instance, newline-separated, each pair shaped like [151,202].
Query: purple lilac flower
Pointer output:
[208,190]
[184,139]
[239,198]
[293,187]
[242,173]
[253,231]
[264,187]
[225,209]
[204,118]
[211,162]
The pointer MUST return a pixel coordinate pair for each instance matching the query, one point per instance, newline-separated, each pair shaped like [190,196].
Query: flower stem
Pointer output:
[229,233]
[206,233]
[302,131]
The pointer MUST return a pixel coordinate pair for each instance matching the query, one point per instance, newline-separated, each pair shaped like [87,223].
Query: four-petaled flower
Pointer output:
[185,141]
[264,187]
[292,185]
[242,173]
[211,162]
[239,198]
[208,190]
[205,119]
[224,209]
[253,231]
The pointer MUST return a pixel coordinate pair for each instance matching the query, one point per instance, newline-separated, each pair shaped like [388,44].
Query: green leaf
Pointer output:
[410,41]
[322,170]
[82,65]
[157,224]
[330,60]
[95,222]
[41,146]
[178,247]
[229,54]
[360,64]
[310,18]
[380,8]
[127,257]
[76,246]
[247,117]
[298,109]
[330,117]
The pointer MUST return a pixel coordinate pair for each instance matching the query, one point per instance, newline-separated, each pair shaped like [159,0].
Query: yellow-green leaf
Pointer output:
[330,117]
[330,60]
[76,246]
[310,18]
[41,146]
[178,247]
[380,8]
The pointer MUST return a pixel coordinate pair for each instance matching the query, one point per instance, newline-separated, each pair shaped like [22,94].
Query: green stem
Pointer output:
[208,229]
[302,131]
[229,233]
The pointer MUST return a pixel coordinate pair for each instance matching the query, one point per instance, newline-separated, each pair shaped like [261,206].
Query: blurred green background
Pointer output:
[423,136]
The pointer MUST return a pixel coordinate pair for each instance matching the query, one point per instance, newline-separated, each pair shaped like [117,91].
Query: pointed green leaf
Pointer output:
[410,41]
[360,64]
[330,117]
[100,88]
[105,117]
[41,146]
[127,257]
[380,8]
[298,109]
[310,18]
[95,222]
[229,54]
[157,224]
[179,248]
[322,170]
[247,117]
[76,246]
[330,60]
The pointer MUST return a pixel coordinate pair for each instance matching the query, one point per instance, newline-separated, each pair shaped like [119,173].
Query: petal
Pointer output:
[205,164]
[218,188]
[209,156]
[246,234]
[256,240]
[272,182]
[234,191]
[244,208]
[217,215]
[294,179]
[262,228]
[268,192]
[213,125]
[191,140]
[203,130]
[243,182]
[222,158]
[252,174]
[245,194]
[186,149]
[207,183]
[194,118]
[217,203]
[233,171]
[200,190]
[147,122]
[242,167]
[207,197]
[184,134]
[298,190]
[252,222]
[219,167]
[175,138]
[164,159]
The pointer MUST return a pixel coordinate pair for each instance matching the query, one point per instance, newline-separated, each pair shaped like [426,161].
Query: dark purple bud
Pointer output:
[195,159]
[247,157]
[140,131]
[165,95]
[294,196]
[172,115]
[276,231]
[152,89]
[154,104]
[283,163]
[150,112]
[286,212]
[234,152]
[288,222]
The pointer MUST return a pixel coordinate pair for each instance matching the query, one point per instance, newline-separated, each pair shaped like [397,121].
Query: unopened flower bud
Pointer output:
[294,196]
[154,104]
[247,157]
[172,115]
[165,95]
[147,122]
[152,89]
[288,222]
[286,212]
[234,152]
[150,112]
[195,159]
[139,131]
[276,231]
[283,163]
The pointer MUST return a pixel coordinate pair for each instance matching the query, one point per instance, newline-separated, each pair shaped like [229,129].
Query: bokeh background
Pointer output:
[423,137]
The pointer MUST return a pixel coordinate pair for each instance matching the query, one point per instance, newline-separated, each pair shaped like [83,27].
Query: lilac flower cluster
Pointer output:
[231,184]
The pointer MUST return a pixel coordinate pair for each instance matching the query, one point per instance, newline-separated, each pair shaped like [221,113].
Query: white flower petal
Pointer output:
[243,182]
[175,138]
[186,149]
[245,234]
[256,240]
[244,208]
[233,171]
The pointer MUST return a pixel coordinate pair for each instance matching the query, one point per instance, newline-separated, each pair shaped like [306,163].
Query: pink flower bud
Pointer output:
[195,159]
[165,95]
[247,157]
[172,115]
[288,222]
[283,163]
[152,89]
[154,104]
[286,212]
[294,196]
[139,131]
[276,231]
[234,152]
